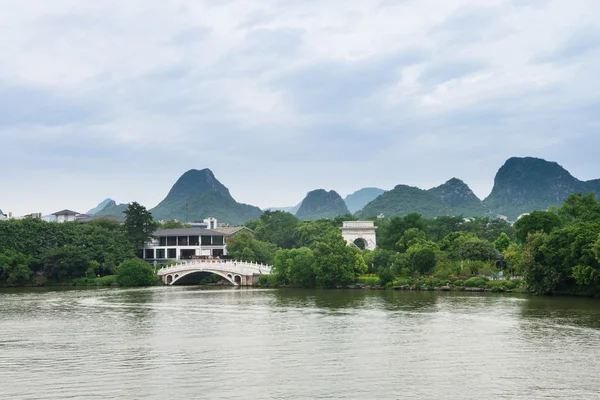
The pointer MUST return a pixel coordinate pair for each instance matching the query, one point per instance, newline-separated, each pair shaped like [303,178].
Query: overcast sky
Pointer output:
[119,98]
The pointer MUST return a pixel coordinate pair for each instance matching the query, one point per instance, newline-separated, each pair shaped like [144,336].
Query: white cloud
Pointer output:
[340,94]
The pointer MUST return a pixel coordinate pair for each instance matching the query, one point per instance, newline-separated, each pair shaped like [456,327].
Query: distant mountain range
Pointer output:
[521,185]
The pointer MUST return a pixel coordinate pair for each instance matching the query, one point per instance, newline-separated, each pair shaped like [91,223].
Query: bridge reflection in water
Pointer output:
[239,273]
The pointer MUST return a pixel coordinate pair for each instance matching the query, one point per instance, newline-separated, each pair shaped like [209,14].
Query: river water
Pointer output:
[198,343]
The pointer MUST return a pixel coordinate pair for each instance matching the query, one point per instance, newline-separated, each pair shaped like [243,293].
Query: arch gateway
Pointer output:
[364,231]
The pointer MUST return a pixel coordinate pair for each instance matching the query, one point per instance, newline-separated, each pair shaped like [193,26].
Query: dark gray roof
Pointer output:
[66,212]
[187,232]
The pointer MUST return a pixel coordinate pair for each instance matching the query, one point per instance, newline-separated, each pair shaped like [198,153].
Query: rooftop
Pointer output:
[66,212]
[187,232]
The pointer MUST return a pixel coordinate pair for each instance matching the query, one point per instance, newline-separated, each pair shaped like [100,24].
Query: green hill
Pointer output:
[320,204]
[197,195]
[460,198]
[526,184]
[452,198]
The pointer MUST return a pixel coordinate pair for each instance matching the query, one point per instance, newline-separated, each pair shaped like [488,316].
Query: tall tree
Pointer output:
[139,224]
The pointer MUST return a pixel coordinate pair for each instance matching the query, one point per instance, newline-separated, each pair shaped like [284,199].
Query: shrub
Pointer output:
[136,272]
[475,281]
[271,280]
[385,275]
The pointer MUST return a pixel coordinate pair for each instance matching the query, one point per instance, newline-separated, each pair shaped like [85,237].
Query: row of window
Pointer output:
[160,253]
[190,240]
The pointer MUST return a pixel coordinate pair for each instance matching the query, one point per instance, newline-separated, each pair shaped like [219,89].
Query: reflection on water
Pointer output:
[191,342]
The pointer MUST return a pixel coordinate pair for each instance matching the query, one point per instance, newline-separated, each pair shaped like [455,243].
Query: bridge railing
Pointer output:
[237,267]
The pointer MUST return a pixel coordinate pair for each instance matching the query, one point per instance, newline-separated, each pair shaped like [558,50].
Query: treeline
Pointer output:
[36,252]
[555,251]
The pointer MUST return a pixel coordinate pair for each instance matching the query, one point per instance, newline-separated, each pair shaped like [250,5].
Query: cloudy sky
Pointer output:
[118,98]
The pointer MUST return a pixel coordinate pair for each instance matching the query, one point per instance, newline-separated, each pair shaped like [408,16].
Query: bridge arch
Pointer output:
[221,274]
[237,279]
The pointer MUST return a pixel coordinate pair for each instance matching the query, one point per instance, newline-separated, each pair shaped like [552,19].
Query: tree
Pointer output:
[309,233]
[139,224]
[65,263]
[385,275]
[390,232]
[411,237]
[14,267]
[477,249]
[244,247]
[502,242]
[136,272]
[537,221]
[334,262]
[422,258]
[296,267]
[276,227]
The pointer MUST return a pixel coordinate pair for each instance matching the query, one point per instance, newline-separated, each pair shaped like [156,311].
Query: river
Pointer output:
[199,343]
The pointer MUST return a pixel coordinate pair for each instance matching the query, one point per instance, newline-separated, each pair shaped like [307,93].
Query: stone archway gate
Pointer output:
[364,230]
[237,272]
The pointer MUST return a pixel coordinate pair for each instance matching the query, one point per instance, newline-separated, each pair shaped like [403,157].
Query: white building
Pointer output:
[189,243]
[65,216]
[3,217]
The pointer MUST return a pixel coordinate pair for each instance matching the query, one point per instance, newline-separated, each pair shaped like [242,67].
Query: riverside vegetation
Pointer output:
[546,252]
[103,252]
[554,252]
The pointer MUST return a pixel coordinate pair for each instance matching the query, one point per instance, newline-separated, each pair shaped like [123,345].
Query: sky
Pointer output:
[279,97]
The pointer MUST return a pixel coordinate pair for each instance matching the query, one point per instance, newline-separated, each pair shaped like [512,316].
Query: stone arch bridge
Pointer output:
[238,273]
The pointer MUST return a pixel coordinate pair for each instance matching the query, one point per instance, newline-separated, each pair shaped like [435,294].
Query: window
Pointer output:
[160,253]
[162,241]
[172,241]
[218,240]
[194,241]
[182,241]
[206,240]
[171,253]
[149,254]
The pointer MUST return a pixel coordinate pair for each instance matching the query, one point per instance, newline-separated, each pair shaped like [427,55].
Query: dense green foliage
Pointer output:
[136,272]
[276,227]
[560,252]
[244,246]
[35,251]
[198,195]
[321,204]
[567,258]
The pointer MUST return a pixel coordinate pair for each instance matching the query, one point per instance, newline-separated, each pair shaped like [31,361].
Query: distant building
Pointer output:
[189,243]
[3,217]
[32,215]
[65,216]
